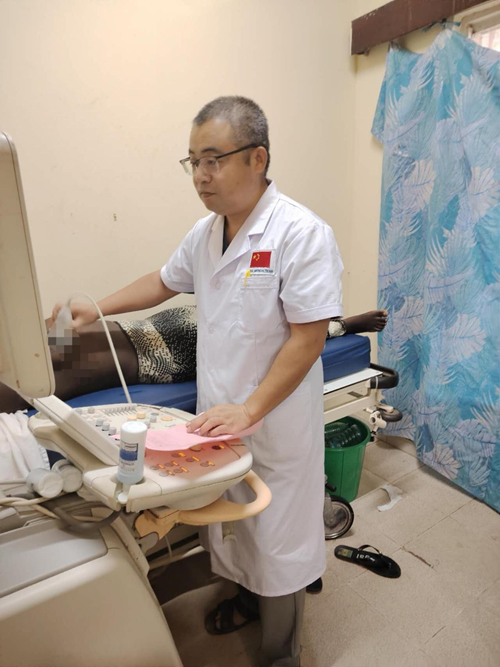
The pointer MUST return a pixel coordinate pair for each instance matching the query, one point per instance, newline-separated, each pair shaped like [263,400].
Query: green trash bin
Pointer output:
[343,465]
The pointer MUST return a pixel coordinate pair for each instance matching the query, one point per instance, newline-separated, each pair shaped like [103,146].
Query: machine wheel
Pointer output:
[394,416]
[338,516]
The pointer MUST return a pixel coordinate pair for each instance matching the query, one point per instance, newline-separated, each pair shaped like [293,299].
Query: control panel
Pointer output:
[184,479]
[108,419]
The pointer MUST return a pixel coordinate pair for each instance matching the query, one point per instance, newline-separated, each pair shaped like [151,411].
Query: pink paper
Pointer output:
[177,438]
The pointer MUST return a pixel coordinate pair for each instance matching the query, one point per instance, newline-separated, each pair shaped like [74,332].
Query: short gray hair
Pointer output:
[247,119]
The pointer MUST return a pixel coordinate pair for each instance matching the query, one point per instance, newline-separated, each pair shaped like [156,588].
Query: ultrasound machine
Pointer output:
[74,588]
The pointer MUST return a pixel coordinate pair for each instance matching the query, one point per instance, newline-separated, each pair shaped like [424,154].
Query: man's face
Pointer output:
[228,191]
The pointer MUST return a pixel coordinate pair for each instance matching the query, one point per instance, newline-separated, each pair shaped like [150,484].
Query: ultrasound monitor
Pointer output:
[25,362]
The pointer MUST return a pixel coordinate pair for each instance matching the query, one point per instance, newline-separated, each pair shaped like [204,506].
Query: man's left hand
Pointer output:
[221,420]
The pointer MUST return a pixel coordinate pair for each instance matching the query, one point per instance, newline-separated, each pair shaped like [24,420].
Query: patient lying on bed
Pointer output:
[156,350]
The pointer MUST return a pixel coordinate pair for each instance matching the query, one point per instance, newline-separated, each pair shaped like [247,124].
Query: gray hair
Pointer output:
[246,118]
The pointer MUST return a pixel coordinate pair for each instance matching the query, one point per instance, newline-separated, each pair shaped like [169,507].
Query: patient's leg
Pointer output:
[374,320]
[84,366]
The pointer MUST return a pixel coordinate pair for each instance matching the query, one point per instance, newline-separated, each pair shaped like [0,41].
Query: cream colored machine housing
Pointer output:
[98,609]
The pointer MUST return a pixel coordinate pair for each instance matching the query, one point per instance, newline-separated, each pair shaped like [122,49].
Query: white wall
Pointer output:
[99,96]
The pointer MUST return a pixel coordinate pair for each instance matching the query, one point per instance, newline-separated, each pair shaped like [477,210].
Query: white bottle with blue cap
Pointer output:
[131,462]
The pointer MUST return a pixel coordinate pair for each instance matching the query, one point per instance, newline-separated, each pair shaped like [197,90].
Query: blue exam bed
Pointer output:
[341,357]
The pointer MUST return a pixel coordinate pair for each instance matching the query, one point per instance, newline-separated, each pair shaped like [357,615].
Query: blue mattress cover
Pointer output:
[341,356]
[345,355]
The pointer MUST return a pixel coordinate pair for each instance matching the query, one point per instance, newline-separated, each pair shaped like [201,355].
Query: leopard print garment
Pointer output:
[165,344]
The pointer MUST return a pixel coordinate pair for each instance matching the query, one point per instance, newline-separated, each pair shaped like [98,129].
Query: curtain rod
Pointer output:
[400,17]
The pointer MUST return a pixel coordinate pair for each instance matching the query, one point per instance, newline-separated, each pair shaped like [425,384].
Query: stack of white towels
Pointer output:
[19,451]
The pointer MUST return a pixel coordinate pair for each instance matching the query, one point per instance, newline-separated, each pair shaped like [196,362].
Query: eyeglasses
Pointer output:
[209,164]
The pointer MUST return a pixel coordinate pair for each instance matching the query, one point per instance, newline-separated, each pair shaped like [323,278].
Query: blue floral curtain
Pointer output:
[438,117]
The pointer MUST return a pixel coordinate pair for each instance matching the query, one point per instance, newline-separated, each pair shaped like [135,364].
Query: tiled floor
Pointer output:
[444,611]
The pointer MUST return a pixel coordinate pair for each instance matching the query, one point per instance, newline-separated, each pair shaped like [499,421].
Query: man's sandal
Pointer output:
[316,587]
[225,624]
[377,563]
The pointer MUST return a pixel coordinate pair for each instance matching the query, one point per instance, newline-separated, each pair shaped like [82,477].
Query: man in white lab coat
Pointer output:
[266,273]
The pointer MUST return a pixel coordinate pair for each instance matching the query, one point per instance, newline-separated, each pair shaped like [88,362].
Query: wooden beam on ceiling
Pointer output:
[400,17]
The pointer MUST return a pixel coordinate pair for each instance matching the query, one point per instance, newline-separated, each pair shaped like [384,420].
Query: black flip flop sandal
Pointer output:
[377,563]
[225,611]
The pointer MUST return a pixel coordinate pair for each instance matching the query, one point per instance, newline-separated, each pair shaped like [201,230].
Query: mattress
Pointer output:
[341,356]
[345,355]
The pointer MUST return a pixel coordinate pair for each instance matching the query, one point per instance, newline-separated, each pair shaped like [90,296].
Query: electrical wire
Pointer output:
[34,504]
[79,522]
[164,561]
[108,335]
[169,548]
[19,503]
[82,526]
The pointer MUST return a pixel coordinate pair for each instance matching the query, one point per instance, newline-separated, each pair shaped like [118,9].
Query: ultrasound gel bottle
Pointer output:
[131,462]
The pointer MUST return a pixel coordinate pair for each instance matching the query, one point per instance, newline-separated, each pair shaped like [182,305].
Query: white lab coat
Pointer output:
[243,322]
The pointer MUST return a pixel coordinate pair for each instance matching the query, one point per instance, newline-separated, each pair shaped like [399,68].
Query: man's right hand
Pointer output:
[82,314]
[146,292]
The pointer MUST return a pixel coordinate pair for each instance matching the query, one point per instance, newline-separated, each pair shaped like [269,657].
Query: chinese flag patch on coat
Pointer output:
[261,259]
